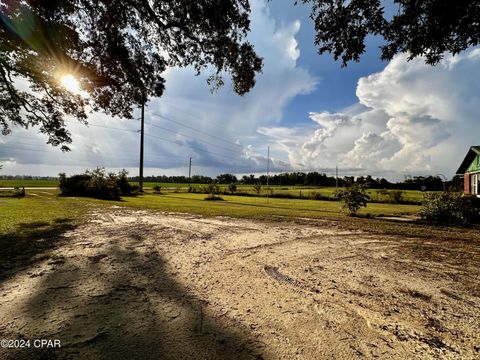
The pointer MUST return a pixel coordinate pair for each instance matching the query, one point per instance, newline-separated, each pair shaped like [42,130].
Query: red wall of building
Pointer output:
[466,183]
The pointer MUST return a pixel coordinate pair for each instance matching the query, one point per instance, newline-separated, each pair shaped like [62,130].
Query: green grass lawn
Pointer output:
[291,191]
[44,214]
[46,206]
[29,183]
[256,207]
[31,226]
[40,208]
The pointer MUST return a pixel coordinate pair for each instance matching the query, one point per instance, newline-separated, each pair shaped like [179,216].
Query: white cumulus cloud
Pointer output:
[410,118]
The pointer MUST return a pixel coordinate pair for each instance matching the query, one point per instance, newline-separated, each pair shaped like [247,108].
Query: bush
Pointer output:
[396,196]
[122,182]
[314,195]
[213,192]
[258,188]
[232,188]
[157,189]
[450,209]
[96,184]
[354,198]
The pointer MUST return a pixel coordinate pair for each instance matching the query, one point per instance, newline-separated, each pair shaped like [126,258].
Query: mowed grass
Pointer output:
[376,195]
[43,208]
[44,214]
[29,183]
[31,227]
[255,207]
[47,207]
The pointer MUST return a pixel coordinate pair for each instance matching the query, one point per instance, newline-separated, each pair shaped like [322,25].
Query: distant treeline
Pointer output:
[427,183]
[27,177]
[196,179]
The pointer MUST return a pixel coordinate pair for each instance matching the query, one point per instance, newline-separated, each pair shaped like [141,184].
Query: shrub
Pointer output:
[258,188]
[122,183]
[314,195]
[213,190]
[195,189]
[450,209]
[96,184]
[396,196]
[354,198]
[232,188]
[157,189]
[211,197]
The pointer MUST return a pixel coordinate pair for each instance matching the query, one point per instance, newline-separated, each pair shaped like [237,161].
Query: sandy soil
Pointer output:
[142,285]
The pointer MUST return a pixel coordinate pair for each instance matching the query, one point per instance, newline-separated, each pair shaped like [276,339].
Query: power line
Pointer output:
[113,128]
[168,140]
[189,145]
[74,154]
[197,130]
[160,138]
[192,137]
[153,136]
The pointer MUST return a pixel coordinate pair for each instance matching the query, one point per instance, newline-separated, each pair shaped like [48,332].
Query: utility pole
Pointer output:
[190,172]
[336,177]
[142,133]
[268,172]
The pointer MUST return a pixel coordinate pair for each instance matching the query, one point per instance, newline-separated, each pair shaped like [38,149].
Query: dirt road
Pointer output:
[142,285]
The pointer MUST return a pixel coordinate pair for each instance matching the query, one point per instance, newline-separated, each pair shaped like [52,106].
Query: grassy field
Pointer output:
[29,183]
[303,192]
[43,214]
[387,196]
[42,208]
[256,207]
[47,207]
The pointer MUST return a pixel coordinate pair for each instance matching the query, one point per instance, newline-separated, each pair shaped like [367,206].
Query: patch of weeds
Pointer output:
[211,197]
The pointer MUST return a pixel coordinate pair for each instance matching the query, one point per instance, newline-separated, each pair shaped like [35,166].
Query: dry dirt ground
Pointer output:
[135,284]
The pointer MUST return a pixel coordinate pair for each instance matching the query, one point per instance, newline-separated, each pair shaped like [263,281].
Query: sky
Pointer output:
[387,119]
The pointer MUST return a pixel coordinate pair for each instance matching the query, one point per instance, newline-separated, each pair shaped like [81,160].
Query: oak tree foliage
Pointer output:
[118,49]
[427,28]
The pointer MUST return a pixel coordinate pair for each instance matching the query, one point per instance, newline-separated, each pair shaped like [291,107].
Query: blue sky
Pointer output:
[385,119]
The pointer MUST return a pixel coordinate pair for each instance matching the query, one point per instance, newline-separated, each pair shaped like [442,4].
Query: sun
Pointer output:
[70,83]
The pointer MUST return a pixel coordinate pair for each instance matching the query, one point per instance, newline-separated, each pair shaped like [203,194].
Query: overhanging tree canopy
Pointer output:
[420,27]
[118,50]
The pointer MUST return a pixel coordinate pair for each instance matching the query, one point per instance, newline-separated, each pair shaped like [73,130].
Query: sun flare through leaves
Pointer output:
[70,83]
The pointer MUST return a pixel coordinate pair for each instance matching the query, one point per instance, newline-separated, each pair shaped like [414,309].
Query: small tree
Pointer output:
[232,188]
[157,189]
[258,188]
[122,182]
[354,198]
[396,196]
[213,191]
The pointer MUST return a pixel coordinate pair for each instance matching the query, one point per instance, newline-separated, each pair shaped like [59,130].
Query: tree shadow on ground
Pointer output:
[30,243]
[117,298]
